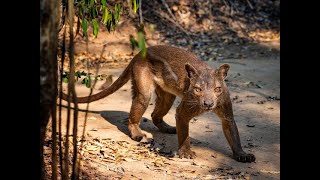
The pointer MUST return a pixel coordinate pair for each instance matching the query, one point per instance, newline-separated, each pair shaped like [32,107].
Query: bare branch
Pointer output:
[140,12]
[63,50]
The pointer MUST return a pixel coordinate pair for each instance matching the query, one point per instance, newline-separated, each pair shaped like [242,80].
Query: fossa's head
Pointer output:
[207,87]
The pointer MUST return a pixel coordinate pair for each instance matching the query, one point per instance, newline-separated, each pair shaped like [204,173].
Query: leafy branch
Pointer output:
[88,77]
[93,12]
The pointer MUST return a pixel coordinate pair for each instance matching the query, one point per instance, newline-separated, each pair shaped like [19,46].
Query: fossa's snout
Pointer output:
[208,104]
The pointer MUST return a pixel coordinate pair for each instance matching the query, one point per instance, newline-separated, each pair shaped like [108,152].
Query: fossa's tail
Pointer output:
[123,79]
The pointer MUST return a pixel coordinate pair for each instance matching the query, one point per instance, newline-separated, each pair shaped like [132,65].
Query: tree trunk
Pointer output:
[48,68]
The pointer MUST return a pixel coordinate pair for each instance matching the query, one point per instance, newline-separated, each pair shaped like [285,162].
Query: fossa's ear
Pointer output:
[191,71]
[223,70]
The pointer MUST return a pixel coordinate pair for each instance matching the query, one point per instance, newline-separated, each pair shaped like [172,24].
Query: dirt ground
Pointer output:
[254,83]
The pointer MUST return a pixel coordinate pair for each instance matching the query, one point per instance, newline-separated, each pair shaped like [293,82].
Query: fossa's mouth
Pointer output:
[208,108]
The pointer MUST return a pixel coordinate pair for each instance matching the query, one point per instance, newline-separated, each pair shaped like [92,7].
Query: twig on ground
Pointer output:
[250,5]
[168,9]
[165,16]
[225,3]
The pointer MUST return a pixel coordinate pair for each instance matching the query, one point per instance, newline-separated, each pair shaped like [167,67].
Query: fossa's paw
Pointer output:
[244,157]
[187,153]
[135,133]
[139,137]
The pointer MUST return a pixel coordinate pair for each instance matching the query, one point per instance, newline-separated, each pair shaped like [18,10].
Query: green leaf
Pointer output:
[91,3]
[135,5]
[93,12]
[95,27]
[80,10]
[88,83]
[78,75]
[105,16]
[134,43]
[113,20]
[84,26]
[142,44]
[109,24]
[65,79]
[83,73]
[117,10]
[104,3]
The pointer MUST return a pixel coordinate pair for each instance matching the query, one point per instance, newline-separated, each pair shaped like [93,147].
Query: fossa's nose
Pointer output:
[208,103]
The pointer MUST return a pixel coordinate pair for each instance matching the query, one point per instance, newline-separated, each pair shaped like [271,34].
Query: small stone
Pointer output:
[220,58]
[175,8]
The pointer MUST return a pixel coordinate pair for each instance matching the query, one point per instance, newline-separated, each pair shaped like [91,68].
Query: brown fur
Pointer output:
[171,72]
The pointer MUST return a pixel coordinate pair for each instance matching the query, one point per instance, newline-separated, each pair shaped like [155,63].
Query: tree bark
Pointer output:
[48,72]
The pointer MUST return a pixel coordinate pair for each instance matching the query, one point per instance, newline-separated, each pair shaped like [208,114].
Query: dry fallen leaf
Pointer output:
[209,176]
[249,83]
[269,172]
[129,159]
[92,118]
[259,86]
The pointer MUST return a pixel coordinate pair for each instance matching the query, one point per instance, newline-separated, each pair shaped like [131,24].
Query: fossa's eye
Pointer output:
[197,89]
[217,89]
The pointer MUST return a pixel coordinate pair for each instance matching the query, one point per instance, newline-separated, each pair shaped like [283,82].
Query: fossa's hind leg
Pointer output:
[164,102]
[142,86]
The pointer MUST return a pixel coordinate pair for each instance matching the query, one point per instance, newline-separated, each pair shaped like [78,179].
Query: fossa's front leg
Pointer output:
[183,116]
[225,113]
